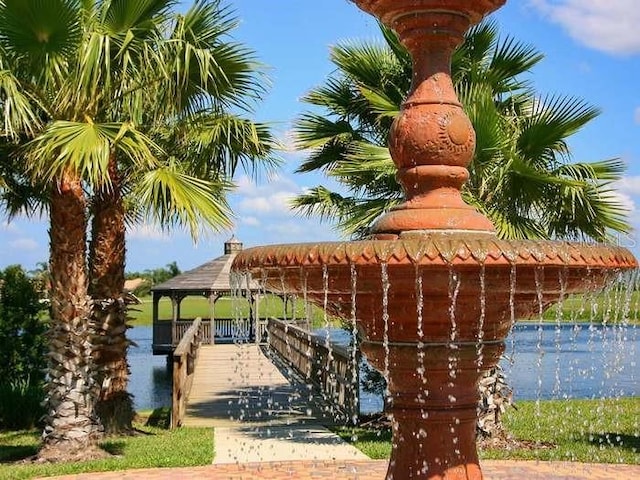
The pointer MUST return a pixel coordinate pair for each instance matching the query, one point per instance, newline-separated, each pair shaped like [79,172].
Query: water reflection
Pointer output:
[544,361]
[150,381]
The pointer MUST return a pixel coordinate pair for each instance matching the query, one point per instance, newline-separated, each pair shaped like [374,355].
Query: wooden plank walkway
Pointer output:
[238,384]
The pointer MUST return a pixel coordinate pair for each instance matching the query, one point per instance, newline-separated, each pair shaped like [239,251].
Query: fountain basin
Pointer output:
[517,279]
[432,311]
[434,293]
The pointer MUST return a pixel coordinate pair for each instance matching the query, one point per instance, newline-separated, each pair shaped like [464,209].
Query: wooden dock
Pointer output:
[239,384]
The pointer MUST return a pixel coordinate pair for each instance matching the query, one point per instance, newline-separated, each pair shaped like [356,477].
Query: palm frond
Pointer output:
[85,148]
[45,33]
[552,119]
[315,131]
[121,16]
[20,110]
[321,202]
[381,105]
[207,65]
[170,197]
[218,143]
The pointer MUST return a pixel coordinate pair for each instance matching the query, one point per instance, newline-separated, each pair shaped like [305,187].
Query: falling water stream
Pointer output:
[564,358]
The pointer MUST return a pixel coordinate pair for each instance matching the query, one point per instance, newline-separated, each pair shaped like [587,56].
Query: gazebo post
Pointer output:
[175,315]
[212,315]
[154,318]
[252,317]
[256,313]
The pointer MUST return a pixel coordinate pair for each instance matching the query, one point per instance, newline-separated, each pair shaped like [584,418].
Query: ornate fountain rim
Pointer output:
[438,249]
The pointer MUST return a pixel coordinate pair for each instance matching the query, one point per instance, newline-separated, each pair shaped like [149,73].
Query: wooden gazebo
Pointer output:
[210,280]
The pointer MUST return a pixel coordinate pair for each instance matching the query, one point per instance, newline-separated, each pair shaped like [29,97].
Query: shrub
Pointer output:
[22,329]
[21,405]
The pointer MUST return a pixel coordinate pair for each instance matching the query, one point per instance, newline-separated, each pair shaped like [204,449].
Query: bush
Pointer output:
[21,405]
[22,329]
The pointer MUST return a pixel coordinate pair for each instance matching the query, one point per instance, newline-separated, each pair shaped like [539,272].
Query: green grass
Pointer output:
[601,431]
[576,308]
[605,307]
[151,448]
[193,306]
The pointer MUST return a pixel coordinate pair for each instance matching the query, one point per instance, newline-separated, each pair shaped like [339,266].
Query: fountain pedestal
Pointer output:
[433,293]
[433,396]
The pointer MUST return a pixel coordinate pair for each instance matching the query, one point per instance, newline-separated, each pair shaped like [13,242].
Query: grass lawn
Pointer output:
[192,307]
[601,431]
[577,308]
[606,307]
[152,447]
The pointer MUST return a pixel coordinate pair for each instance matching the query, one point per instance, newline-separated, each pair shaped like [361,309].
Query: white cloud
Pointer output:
[605,25]
[287,141]
[629,185]
[24,244]
[636,115]
[147,232]
[623,199]
[9,227]
[273,197]
[276,202]
[249,221]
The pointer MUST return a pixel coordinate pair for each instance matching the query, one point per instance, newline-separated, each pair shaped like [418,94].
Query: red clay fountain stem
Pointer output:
[432,141]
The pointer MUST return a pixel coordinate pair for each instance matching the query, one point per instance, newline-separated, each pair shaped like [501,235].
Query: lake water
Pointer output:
[542,361]
[150,381]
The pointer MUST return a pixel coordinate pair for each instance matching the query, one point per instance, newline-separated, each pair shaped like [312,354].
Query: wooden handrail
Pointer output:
[331,368]
[184,364]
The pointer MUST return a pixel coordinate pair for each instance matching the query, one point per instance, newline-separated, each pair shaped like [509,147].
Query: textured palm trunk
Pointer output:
[71,426]
[109,314]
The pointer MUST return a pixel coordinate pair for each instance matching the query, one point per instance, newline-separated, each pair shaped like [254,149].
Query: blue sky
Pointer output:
[592,50]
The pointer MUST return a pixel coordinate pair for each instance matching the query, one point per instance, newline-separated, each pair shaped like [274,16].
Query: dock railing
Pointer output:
[331,368]
[167,334]
[185,357]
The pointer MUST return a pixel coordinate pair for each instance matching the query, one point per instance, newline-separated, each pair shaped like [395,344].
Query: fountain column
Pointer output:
[432,143]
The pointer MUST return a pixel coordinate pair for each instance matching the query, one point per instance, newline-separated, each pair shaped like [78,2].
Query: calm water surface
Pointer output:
[542,361]
[150,380]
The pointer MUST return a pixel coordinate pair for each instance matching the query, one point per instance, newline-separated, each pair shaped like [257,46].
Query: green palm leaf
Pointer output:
[20,110]
[169,197]
[45,33]
[85,148]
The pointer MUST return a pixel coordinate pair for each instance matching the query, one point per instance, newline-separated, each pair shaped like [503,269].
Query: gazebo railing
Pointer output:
[167,334]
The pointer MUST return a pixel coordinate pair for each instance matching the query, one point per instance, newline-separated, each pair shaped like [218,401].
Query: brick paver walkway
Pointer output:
[366,470]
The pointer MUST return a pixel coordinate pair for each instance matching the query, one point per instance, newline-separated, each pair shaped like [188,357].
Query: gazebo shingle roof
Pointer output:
[212,276]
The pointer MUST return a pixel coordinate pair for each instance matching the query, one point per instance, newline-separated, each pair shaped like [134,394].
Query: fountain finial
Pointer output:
[432,141]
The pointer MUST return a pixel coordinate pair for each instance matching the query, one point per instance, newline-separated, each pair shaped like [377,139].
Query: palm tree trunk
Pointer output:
[109,314]
[71,426]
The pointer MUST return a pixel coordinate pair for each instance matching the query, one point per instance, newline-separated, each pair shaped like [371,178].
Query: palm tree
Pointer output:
[521,177]
[91,92]
[187,113]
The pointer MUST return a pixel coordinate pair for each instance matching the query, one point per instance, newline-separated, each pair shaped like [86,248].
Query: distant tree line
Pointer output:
[153,277]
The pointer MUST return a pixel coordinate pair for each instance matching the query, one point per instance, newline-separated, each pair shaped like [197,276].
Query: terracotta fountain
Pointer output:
[434,292]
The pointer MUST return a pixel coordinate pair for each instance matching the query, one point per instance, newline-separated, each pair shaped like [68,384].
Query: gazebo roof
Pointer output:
[212,276]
